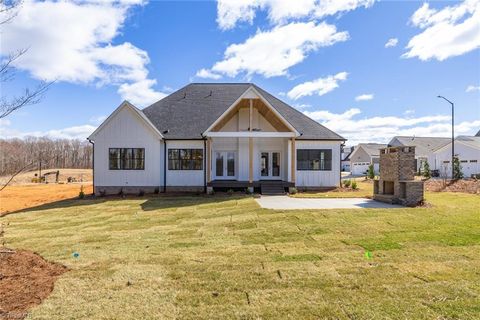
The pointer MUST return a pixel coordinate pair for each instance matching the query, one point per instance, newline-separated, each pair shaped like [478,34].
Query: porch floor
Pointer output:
[246,184]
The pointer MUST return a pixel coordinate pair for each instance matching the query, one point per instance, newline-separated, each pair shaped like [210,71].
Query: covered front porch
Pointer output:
[250,146]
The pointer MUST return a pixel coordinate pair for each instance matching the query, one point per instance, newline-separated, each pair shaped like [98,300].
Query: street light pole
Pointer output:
[453,137]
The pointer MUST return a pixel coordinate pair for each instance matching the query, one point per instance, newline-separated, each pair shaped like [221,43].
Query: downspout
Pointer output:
[164,166]
[93,164]
[204,165]
[341,146]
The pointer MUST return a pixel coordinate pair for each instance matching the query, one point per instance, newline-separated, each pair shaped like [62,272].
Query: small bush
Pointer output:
[293,190]
[247,191]
[371,172]
[121,193]
[81,194]
[426,170]
[347,183]
[354,185]
[102,193]
[230,191]
[141,193]
[157,190]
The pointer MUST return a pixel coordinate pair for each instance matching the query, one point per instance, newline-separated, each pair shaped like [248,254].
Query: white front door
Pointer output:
[224,164]
[269,165]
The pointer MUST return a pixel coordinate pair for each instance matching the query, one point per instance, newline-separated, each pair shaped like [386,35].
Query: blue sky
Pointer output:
[329,60]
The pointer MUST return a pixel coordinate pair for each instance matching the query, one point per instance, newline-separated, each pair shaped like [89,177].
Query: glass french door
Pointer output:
[225,164]
[270,165]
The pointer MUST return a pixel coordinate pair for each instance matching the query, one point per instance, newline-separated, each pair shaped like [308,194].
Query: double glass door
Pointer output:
[225,164]
[270,165]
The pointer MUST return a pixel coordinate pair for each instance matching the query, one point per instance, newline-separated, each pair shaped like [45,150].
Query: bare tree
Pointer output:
[8,11]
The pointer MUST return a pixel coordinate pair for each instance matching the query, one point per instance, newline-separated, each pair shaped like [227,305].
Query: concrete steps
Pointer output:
[272,188]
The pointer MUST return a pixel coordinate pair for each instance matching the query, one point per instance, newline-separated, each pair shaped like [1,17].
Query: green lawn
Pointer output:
[224,257]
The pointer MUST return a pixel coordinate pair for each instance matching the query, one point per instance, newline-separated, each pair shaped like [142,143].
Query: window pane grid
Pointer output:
[185,159]
[126,158]
[314,159]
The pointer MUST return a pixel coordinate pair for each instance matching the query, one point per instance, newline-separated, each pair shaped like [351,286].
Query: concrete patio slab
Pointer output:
[288,203]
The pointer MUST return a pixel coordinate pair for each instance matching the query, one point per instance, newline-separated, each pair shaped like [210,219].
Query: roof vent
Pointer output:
[165,131]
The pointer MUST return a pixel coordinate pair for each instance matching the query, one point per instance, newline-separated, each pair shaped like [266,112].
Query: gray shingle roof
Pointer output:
[373,149]
[423,145]
[188,112]
[478,134]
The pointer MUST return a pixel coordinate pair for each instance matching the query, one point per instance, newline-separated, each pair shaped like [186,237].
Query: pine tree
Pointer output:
[457,168]
[426,170]
[371,172]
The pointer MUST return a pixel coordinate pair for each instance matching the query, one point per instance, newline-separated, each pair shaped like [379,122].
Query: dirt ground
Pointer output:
[84,175]
[18,197]
[464,185]
[25,280]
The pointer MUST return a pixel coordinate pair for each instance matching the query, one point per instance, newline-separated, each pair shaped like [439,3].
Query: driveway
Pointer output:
[288,203]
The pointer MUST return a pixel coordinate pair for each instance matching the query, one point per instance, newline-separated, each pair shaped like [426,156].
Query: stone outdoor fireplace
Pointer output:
[397,182]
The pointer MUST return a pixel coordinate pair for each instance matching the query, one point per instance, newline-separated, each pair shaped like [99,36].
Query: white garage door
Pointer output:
[359,168]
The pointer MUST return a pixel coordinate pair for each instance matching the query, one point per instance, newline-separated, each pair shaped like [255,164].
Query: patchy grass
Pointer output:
[224,257]
[365,190]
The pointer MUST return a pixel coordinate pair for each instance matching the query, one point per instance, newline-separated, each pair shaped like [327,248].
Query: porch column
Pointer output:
[250,144]
[250,160]
[293,154]
[209,160]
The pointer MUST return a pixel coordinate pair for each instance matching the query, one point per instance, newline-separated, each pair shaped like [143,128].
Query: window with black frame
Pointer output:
[185,159]
[314,159]
[126,158]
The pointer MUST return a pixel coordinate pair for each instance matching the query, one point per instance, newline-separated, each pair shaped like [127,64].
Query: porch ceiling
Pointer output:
[262,108]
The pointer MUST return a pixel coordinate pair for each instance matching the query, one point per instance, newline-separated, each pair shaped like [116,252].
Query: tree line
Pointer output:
[31,152]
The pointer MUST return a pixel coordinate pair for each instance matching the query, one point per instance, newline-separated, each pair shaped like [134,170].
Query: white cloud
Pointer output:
[364,97]
[382,129]
[392,42]
[409,112]
[450,32]
[71,41]
[272,53]
[76,132]
[207,74]
[472,88]
[140,93]
[230,12]
[319,86]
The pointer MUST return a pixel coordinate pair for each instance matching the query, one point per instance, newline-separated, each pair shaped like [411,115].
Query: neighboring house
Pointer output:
[207,136]
[363,155]
[468,151]
[424,147]
[345,156]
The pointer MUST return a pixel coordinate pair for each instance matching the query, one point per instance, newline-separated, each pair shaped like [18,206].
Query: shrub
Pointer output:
[230,191]
[120,193]
[426,170]
[141,193]
[81,194]
[371,172]
[157,190]
[347,183]
[354,185]
[457,168]
[293,190]
[102,193]
[247,191]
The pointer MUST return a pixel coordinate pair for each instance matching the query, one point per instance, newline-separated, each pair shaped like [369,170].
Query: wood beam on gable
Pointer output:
[251,104]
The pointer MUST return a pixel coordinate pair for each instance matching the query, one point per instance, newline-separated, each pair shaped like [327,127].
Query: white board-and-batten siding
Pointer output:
[320,178]
[126,129]
[185,178]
